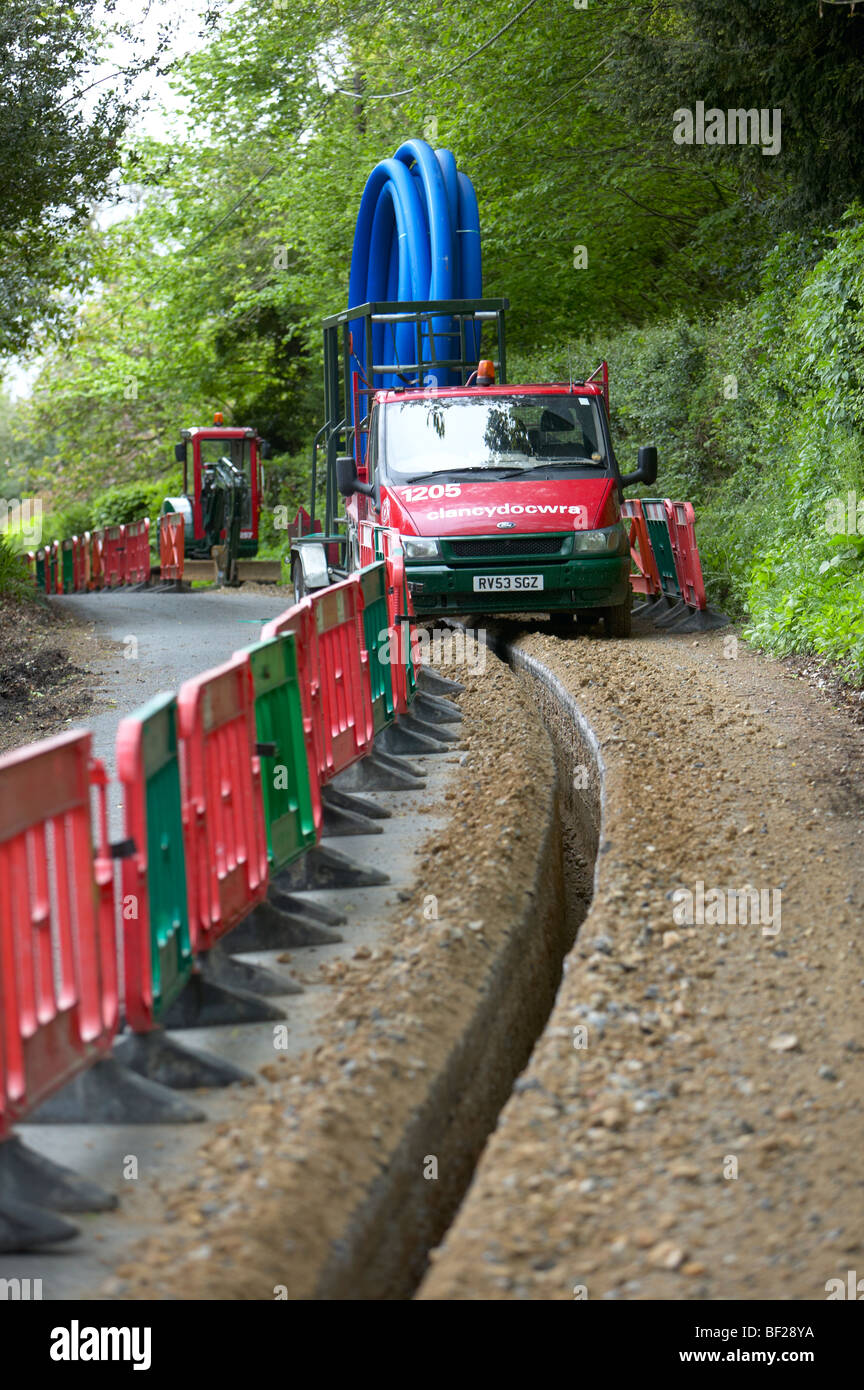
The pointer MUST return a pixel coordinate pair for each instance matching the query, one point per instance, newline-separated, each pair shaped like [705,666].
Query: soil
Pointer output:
[44,681]
[827,678]
[703,1138]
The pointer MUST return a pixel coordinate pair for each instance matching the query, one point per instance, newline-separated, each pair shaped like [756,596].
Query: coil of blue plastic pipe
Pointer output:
[417,238]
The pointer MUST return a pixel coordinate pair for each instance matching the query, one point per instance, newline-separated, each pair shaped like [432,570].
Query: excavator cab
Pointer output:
[223,482]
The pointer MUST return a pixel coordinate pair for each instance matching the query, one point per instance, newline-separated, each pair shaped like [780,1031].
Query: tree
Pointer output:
[800,57]
[60,142]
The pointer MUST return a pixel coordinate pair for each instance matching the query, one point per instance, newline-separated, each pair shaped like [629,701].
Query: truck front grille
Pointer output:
[486,546]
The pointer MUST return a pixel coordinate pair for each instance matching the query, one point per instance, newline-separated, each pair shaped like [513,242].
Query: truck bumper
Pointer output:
[589,581]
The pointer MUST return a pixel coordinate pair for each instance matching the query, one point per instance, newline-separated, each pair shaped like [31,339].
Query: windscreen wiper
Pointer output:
[555,465]
[446,473]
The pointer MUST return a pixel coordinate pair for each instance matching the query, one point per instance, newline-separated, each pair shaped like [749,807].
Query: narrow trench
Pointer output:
[579,795]
[386,1255]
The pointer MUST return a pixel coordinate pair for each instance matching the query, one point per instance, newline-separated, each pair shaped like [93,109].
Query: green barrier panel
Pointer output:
[373,581]
[40,570]
[157,945]
[288,811]
[661,543]
[67,567]
[51,572]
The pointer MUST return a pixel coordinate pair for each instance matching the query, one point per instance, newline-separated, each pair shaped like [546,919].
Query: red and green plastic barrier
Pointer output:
[222,790]
[667,571]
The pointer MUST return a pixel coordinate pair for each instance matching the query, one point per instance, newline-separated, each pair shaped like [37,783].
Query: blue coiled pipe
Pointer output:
[417,238]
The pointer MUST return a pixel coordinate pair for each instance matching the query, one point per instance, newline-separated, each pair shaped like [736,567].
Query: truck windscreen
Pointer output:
[506,435]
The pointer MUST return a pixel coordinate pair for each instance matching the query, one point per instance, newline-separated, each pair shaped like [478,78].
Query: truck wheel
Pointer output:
[617,620]
[297,579]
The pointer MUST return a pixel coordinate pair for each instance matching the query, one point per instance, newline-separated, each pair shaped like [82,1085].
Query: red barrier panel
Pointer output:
[371,543]
[343,668]
[58,966]
[97,560]
[222,805]
[114,556]
[682,531]
[137,551]
[301,621]
[646,580]
[172,530]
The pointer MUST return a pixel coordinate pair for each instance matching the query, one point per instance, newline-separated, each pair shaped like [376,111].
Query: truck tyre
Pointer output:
[617,620]
[297,579]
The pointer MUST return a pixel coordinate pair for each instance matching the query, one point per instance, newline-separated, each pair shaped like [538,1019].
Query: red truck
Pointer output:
[507,497]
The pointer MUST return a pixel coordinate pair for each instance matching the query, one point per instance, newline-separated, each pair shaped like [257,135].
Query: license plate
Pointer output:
[502,583]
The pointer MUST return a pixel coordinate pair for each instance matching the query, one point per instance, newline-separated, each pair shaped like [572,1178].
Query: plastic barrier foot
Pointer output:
[360,805]
[702,620]
[173,586]
[672,615]
[421,726]
[380,772]
[268,928]
[24,1227]
[303,906]
[401,738]
[220,966]
[27,1176]
[161,1059]
[640,610]
[204,1004]
[399,763]
[436,684]
[340,820]
[434,709]
[110,1094]
[654,607]
[327,868]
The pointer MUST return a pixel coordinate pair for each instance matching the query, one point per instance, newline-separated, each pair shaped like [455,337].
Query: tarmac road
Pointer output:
[147,642]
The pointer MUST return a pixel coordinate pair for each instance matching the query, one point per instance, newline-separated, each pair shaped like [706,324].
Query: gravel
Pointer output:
[745,1122]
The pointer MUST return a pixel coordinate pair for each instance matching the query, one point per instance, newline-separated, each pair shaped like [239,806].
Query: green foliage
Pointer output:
[71,520]
[15,581]
[133,501]
[799,57]
[118,505]
[758,416]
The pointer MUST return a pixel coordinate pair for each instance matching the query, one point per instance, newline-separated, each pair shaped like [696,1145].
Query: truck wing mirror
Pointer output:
[180,453]
[266,451]
[347,481]
[646,469]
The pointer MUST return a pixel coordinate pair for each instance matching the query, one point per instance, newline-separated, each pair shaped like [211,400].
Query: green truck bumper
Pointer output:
[589,581]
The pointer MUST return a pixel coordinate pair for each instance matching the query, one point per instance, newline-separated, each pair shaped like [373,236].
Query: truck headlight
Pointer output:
[611,540]
[420,547]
